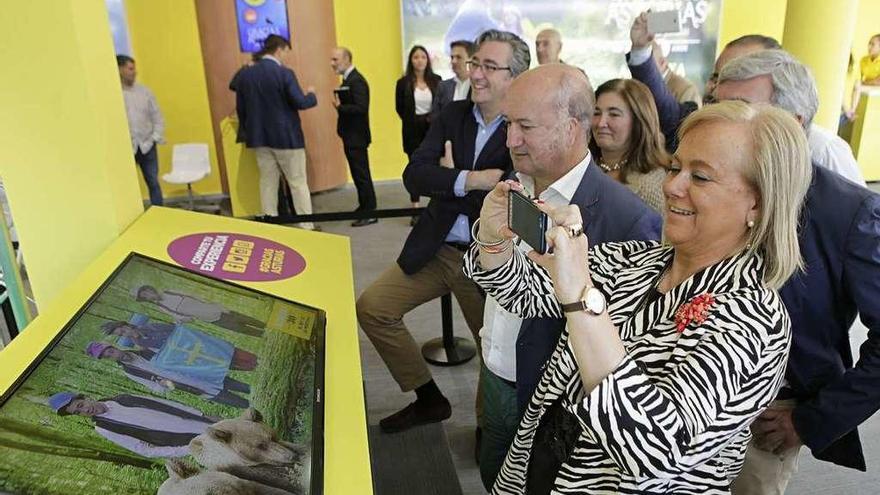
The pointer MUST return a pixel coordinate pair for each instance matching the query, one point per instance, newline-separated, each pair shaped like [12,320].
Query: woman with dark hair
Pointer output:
[627,142]
[414,95]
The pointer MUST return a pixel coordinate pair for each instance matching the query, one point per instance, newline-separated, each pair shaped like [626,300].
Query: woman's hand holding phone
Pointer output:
[493,215]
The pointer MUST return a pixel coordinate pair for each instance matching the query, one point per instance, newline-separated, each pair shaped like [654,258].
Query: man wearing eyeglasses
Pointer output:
[462,157]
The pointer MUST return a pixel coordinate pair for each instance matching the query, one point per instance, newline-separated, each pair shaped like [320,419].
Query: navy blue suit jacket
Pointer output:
[267,99]
[353,123]
[611,212]
[444,96]
[425,177]
[840,243]
[671,112]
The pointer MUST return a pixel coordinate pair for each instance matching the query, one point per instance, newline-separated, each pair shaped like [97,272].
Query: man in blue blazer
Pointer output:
[551,156]
[457,87]
[462,157]
[268,99]
[826,396]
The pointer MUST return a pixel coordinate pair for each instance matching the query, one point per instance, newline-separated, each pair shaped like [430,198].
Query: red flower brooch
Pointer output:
[694,311]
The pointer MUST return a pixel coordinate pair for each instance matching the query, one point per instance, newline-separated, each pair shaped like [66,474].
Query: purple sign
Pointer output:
[231,256]
[257,19]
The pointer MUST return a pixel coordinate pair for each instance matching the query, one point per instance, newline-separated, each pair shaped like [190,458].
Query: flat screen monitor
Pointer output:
[167,381]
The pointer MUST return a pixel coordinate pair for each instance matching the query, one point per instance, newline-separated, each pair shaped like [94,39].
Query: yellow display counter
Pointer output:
[865,140]
[326,283]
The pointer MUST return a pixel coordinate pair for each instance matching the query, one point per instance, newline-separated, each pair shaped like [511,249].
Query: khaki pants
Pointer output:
[381,307]
[292,163]
[765,473]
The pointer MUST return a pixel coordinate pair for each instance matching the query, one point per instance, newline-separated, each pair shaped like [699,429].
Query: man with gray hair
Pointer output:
[548,110]
[775,77]
[468,140]
[825,396]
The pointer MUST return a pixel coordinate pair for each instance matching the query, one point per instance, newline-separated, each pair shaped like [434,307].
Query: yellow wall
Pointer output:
[741,17]
[65,153]
[371,29]
[165,40]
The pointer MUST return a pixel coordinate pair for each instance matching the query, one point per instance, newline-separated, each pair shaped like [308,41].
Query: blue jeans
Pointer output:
[149,163]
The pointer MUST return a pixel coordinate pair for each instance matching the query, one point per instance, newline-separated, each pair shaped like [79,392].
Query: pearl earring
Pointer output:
[750,224]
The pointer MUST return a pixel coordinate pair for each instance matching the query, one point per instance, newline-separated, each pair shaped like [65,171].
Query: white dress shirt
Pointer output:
[830,151]
[145,121]
[501,327]
[422,97]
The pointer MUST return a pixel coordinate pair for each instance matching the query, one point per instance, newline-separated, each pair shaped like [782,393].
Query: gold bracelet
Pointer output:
[481,243]
[496,250]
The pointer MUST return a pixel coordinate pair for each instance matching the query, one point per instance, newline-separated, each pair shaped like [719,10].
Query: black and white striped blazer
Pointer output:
[673,417]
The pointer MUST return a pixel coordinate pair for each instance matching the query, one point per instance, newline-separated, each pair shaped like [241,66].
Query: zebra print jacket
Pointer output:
[673,416]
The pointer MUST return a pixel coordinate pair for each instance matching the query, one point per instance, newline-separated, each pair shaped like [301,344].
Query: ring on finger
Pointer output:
[574,230]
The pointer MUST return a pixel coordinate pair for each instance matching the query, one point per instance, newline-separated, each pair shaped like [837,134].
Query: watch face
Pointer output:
[595,301]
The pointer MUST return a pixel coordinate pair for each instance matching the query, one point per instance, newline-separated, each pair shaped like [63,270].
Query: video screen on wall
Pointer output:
[595,33]
[257,19]
[174,383]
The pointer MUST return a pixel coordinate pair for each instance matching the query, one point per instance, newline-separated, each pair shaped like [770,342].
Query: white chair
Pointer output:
[189,163]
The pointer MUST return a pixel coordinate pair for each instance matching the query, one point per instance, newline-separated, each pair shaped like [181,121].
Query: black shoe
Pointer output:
[364,221]
[416,414]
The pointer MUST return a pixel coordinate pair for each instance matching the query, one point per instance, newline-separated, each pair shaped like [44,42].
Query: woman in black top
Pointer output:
[413,97]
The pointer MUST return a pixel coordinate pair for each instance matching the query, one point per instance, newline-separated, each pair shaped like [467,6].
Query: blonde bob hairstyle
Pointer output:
[779,169]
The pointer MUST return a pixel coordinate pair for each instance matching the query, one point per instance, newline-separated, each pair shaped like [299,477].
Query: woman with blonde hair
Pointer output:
[670,350]
[627,143]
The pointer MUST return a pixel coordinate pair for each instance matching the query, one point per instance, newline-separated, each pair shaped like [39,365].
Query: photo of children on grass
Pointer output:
[173,383]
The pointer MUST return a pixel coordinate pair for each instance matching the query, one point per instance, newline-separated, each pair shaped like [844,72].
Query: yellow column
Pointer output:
[65,152]
[819,33]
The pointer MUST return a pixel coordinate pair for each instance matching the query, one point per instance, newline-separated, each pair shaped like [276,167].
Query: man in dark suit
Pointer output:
[268,99]
[826,396]
[457,87]
[352,101]
[551,156]
[469,137]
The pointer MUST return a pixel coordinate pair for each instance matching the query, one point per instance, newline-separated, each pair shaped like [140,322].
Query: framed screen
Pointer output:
[595,33]
[257,19]
[171,382]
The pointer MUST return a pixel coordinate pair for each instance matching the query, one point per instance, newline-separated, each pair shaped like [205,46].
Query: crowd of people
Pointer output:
[615,362]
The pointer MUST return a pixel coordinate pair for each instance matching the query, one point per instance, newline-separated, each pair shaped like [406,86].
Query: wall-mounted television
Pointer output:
[257,19]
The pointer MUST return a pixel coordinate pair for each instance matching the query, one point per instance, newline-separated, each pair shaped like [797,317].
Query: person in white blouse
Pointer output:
[671,350]
[413,97]
[145,123]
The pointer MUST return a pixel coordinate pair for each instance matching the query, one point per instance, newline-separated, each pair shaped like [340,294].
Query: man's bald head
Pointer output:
[548,109]
[548,44]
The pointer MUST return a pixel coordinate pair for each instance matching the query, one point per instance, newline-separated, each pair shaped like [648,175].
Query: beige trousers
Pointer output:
[292,163]
[381,307]
[765,473]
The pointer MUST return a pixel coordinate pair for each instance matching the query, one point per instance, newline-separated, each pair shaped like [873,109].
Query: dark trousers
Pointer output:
[237,322]
[149,164]
[359,166]
[226,396]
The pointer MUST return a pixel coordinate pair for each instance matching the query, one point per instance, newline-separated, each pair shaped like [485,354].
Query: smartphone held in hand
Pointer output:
[663,22]
[527,221]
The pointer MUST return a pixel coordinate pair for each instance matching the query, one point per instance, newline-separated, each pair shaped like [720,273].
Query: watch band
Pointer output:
[577,306]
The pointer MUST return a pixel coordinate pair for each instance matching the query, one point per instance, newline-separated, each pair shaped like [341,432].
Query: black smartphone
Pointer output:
[527,221]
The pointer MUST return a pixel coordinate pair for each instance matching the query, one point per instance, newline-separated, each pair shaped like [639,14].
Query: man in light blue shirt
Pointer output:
[462,157]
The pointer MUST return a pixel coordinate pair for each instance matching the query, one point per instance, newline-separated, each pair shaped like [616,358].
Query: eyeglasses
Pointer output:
[487,68]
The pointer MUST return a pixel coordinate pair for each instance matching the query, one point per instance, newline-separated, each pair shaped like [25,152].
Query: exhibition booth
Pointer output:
[247,331]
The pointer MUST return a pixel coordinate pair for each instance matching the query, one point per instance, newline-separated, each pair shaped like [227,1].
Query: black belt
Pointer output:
[459,245]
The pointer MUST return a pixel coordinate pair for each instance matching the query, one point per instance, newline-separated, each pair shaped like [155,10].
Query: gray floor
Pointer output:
[375,247]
